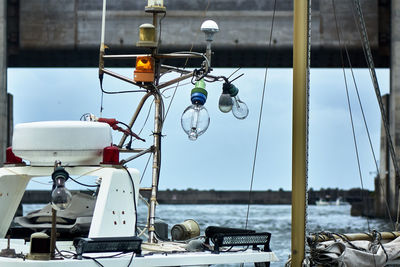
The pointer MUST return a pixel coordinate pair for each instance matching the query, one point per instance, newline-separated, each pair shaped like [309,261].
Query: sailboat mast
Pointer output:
[299,134]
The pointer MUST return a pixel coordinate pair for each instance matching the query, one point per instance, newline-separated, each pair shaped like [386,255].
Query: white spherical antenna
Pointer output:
[209,27]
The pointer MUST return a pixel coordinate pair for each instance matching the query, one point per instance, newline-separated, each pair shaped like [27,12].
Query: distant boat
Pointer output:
[322,202]
[338,202]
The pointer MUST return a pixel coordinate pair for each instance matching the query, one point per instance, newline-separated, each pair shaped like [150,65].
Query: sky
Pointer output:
[222,157]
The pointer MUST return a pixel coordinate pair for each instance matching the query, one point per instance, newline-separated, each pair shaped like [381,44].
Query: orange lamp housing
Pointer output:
[144,69]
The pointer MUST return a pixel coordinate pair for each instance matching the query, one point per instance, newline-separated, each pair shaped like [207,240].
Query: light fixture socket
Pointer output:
[155,6]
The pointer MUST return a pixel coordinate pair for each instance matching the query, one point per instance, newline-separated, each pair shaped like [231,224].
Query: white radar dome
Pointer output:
[209,26]
[71,142]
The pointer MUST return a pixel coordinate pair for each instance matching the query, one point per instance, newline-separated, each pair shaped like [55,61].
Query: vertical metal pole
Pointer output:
[3,80]
[394,97]
[102,51]
[299,138]
[156,166]
[53,233]
[10,118]
[157,145]
[208,54]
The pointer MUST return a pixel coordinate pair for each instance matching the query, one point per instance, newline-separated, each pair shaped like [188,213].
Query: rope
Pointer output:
[350,110]
[368,56]
[260,116]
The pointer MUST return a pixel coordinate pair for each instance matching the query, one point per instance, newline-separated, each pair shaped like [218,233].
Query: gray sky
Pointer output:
[222,158]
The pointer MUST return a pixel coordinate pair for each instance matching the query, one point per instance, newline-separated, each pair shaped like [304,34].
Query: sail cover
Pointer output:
[355,253]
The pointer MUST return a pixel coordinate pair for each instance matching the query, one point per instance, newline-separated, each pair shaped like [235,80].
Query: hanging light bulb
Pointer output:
[195,119]
[60,197]
[239,108]
[225,100]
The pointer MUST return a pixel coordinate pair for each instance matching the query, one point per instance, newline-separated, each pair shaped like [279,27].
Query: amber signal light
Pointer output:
[144,69]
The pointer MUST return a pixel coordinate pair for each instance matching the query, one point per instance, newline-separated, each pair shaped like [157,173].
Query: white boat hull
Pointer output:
[147,259]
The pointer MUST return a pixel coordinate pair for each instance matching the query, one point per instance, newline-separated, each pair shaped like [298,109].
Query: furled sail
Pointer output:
[358,253]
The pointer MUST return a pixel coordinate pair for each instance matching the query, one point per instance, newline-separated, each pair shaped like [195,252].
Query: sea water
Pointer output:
[275,219]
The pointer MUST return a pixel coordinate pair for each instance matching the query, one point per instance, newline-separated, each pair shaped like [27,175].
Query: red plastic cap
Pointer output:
[11,158]
[110,155]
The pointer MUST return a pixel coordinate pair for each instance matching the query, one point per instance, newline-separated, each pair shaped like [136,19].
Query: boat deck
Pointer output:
[148,257]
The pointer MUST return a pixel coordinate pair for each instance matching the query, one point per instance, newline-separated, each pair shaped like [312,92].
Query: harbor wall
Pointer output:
[193,196]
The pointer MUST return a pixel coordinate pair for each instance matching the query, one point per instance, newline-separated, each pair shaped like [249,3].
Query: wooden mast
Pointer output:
[299,134]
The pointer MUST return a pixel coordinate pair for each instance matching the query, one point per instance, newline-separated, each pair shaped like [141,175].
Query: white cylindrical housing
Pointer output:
[71,142]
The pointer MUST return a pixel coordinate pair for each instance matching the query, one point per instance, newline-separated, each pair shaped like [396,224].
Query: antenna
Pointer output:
[101,54]
[102,46]
[209,27]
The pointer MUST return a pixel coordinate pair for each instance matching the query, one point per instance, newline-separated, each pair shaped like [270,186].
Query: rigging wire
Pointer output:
[350,111]
[260,115]
[147,117]
[367,129]
[368,58]
[172,87]
[145,168]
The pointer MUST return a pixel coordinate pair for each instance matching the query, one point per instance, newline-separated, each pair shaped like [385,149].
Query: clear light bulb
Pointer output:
[225,102]
[195,121]
[60,197]
[239,108]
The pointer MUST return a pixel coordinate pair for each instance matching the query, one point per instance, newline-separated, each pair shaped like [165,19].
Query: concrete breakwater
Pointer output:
[193,196]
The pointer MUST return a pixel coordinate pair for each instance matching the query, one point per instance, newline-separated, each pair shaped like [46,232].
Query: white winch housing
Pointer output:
[74,143]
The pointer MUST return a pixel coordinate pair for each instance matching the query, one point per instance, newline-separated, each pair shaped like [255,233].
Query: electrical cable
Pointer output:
[130,260]
[88,185]
[85,257]
[197,54]
[233,72]
[83,116]
[95,259]
[159,33]
[121,92]
[112,93]
[134,196]
[236,78]
[128,146]
[102,95]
